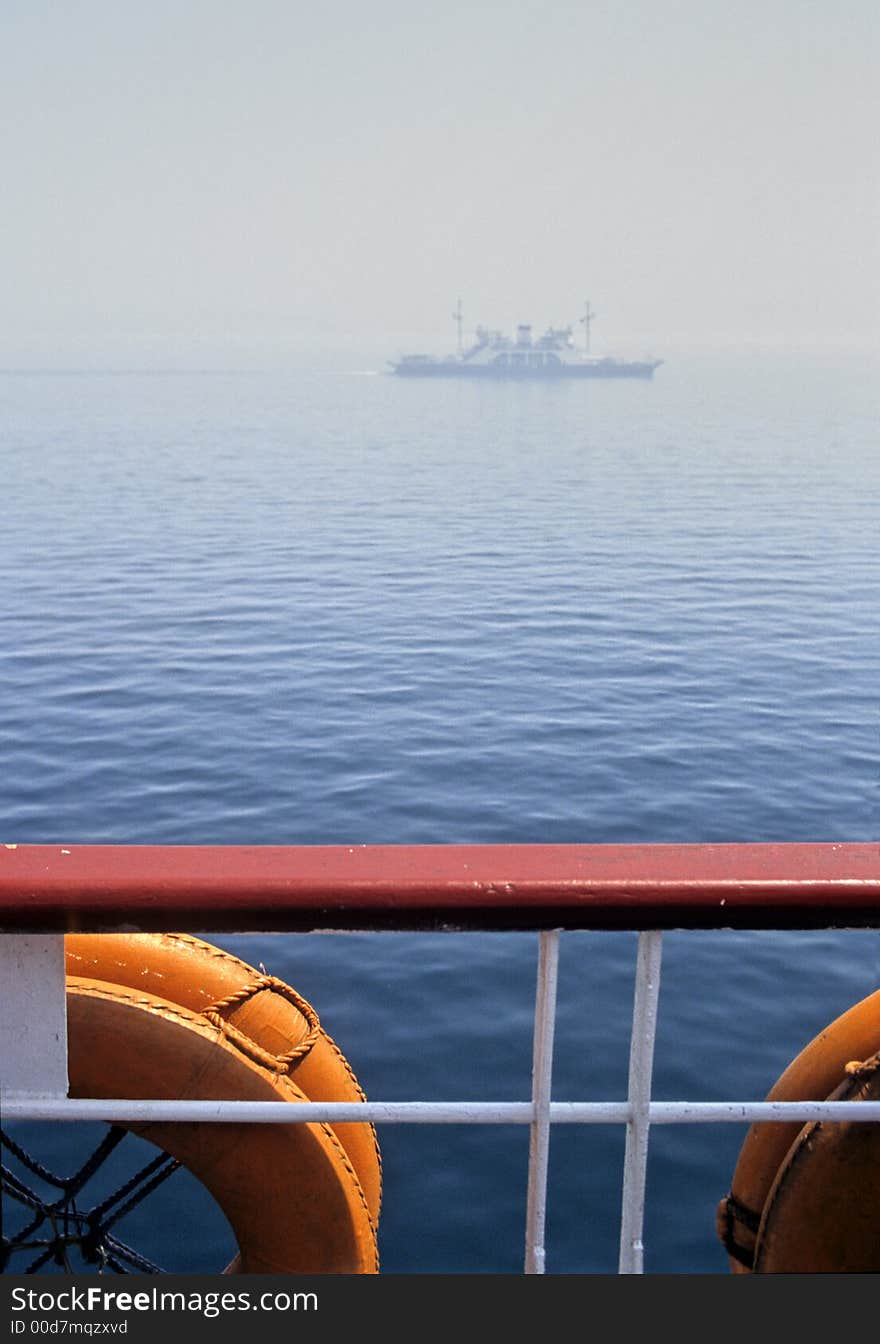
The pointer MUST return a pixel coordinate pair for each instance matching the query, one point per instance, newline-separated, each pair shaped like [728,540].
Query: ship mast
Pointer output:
[587,319]
[457,317]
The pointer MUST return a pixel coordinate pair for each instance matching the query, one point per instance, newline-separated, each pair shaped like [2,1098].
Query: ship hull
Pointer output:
[564,372]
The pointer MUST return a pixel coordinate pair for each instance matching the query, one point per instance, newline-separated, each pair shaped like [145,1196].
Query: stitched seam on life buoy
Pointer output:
[334,1139]
[345,1064]
[346,1162]
[208,949]
[120,994]
[350,1071]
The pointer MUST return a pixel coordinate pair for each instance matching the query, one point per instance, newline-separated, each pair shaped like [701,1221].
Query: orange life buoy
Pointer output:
[806,1198]
[168,1016]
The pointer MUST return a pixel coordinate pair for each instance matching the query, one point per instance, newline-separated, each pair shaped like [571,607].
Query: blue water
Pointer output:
[324,606]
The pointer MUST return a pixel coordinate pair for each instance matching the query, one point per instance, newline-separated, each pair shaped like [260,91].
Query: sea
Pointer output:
[318,604]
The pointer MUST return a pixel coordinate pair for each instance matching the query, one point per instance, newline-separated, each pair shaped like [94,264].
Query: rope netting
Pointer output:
[59,1226]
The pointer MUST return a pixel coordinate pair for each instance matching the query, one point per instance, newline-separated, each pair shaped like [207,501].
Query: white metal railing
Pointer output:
[34,1085]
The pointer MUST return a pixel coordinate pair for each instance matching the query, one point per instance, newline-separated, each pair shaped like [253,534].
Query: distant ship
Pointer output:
[494,355]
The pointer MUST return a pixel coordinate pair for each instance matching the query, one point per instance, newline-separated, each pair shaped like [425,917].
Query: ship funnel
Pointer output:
[524,334]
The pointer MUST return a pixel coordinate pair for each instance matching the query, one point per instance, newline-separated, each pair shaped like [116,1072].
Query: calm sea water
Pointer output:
[321,607]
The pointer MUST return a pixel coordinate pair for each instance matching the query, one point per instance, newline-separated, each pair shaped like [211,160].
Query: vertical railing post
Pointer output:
[641,1063]
[542,1075]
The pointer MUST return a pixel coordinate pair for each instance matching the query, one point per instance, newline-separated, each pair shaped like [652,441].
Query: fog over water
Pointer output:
[213,183]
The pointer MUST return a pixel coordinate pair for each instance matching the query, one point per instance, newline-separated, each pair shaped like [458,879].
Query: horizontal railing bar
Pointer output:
[46,888]
[706,1112]
[430,1112]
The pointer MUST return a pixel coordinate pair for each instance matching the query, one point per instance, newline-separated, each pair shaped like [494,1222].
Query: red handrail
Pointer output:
[46,888]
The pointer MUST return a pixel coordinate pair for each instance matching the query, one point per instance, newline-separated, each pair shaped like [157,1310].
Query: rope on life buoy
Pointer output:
[806,1198]
[167,1016]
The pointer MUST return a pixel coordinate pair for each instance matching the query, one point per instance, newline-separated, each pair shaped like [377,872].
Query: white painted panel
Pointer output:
[33,1016]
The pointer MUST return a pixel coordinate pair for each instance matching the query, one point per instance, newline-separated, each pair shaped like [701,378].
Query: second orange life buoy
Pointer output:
[806,1198]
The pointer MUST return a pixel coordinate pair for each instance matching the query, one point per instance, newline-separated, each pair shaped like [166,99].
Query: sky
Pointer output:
[246,181]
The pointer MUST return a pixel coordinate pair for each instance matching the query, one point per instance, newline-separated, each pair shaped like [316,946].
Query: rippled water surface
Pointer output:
[323,607]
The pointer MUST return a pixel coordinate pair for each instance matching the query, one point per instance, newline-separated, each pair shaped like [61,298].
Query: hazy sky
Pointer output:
[242,179]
